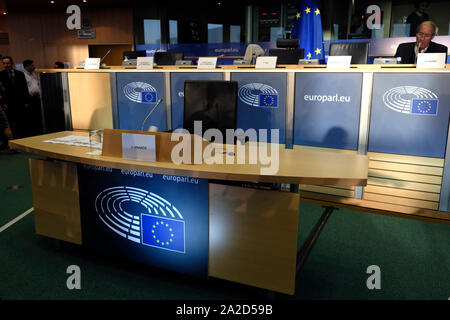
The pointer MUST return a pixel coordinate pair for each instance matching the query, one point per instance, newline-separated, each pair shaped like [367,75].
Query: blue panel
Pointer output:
[262,102]
[137,94]
[154,219]
[410,114]
[327,109]
[177,80]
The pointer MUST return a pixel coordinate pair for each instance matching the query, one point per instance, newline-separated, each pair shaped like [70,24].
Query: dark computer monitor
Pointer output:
[134,54]
[167,58]
[212,102]
[287,56]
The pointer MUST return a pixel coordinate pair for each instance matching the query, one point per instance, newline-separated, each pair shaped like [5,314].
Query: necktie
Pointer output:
[11,75]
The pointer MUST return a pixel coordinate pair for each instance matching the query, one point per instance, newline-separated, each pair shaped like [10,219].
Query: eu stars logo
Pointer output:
[163,233]
[148,96]
[268,100]
[424,106]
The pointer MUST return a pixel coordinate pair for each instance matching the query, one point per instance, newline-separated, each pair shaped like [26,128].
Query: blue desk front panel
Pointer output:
[410,114]
[327,109]
[261,102]
[177,80]
[137,94]
[159,220]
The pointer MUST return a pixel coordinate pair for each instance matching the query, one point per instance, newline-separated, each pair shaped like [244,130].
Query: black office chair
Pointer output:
[358,50]
[167,58]
[212,102]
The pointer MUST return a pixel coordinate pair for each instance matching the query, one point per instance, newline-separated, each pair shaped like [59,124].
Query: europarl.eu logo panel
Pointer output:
[258,95]
[146,217]
[411,100]
[140,92]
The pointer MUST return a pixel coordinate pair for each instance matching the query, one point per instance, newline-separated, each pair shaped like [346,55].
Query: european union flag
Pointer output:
[268,100]
[424,106]
[163,233]
[148,96]
[308,28]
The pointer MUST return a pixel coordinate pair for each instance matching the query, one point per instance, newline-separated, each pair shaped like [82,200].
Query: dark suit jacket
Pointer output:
[16,93]
[406,51]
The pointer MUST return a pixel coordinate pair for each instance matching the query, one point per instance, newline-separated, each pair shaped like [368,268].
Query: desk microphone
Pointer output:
[157,104]
[416,51]
[101,60]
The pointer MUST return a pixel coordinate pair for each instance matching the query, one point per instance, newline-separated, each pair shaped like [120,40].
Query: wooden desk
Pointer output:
[260,245]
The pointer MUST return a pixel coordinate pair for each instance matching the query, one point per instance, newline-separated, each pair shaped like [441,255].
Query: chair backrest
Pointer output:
[165,58]
[212,102]
[252,52]
[358,50]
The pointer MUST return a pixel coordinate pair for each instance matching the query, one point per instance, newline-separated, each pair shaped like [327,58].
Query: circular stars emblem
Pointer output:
[159,226]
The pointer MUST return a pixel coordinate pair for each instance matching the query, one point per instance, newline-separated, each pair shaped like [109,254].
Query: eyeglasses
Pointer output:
[425,35]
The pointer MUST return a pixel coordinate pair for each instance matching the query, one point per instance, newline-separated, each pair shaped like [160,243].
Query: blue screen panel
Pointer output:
[137,94]
[327,109]
[410,114]
[159,220]
[261,102]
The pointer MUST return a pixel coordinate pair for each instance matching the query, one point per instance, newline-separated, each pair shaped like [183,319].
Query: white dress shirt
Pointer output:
[32,82]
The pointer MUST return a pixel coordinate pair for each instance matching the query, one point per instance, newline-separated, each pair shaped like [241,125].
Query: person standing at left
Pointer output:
[16,100]
[34,89]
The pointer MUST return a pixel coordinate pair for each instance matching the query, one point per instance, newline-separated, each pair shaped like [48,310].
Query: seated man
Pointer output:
[425,33]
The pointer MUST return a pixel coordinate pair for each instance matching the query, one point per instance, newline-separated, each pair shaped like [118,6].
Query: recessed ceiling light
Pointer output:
[52,2]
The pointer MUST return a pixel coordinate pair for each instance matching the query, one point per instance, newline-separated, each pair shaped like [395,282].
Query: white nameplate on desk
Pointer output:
[138,147]
[431,60]
[145,63]
[339,62]
[92,63]
[266,63]
[207,63]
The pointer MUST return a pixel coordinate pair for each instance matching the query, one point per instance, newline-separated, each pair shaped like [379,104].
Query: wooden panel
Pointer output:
[391,209]
[72,53]
[435,188]
[392,166]
[253,237]
[90,100]
[436,162]
[56,200]
[328,190]
[401,201]
[403,193]
[405,176]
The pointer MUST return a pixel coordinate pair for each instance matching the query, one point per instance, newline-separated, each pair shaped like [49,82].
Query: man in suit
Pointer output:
[16,100]
[425,33]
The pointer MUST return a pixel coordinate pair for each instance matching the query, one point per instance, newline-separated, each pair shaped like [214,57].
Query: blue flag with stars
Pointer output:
[308,28]
[163,233]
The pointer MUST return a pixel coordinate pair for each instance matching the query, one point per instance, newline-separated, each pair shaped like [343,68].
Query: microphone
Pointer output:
[105,56]
[157,104]
[416,50]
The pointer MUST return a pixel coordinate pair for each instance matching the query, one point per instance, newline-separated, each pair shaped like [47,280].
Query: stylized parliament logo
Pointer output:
[411,100]
[142,217]
[259,95]
[140,92]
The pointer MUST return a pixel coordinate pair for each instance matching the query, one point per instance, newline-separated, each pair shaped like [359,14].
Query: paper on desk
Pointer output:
[76,141]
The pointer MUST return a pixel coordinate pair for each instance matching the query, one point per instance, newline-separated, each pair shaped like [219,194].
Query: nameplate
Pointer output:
[138,147]
[145,63]
[431,60]
[339,62]
[207,63]
[266,63]
[92,63]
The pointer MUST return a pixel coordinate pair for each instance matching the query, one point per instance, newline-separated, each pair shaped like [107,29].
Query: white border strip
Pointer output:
[9,224]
